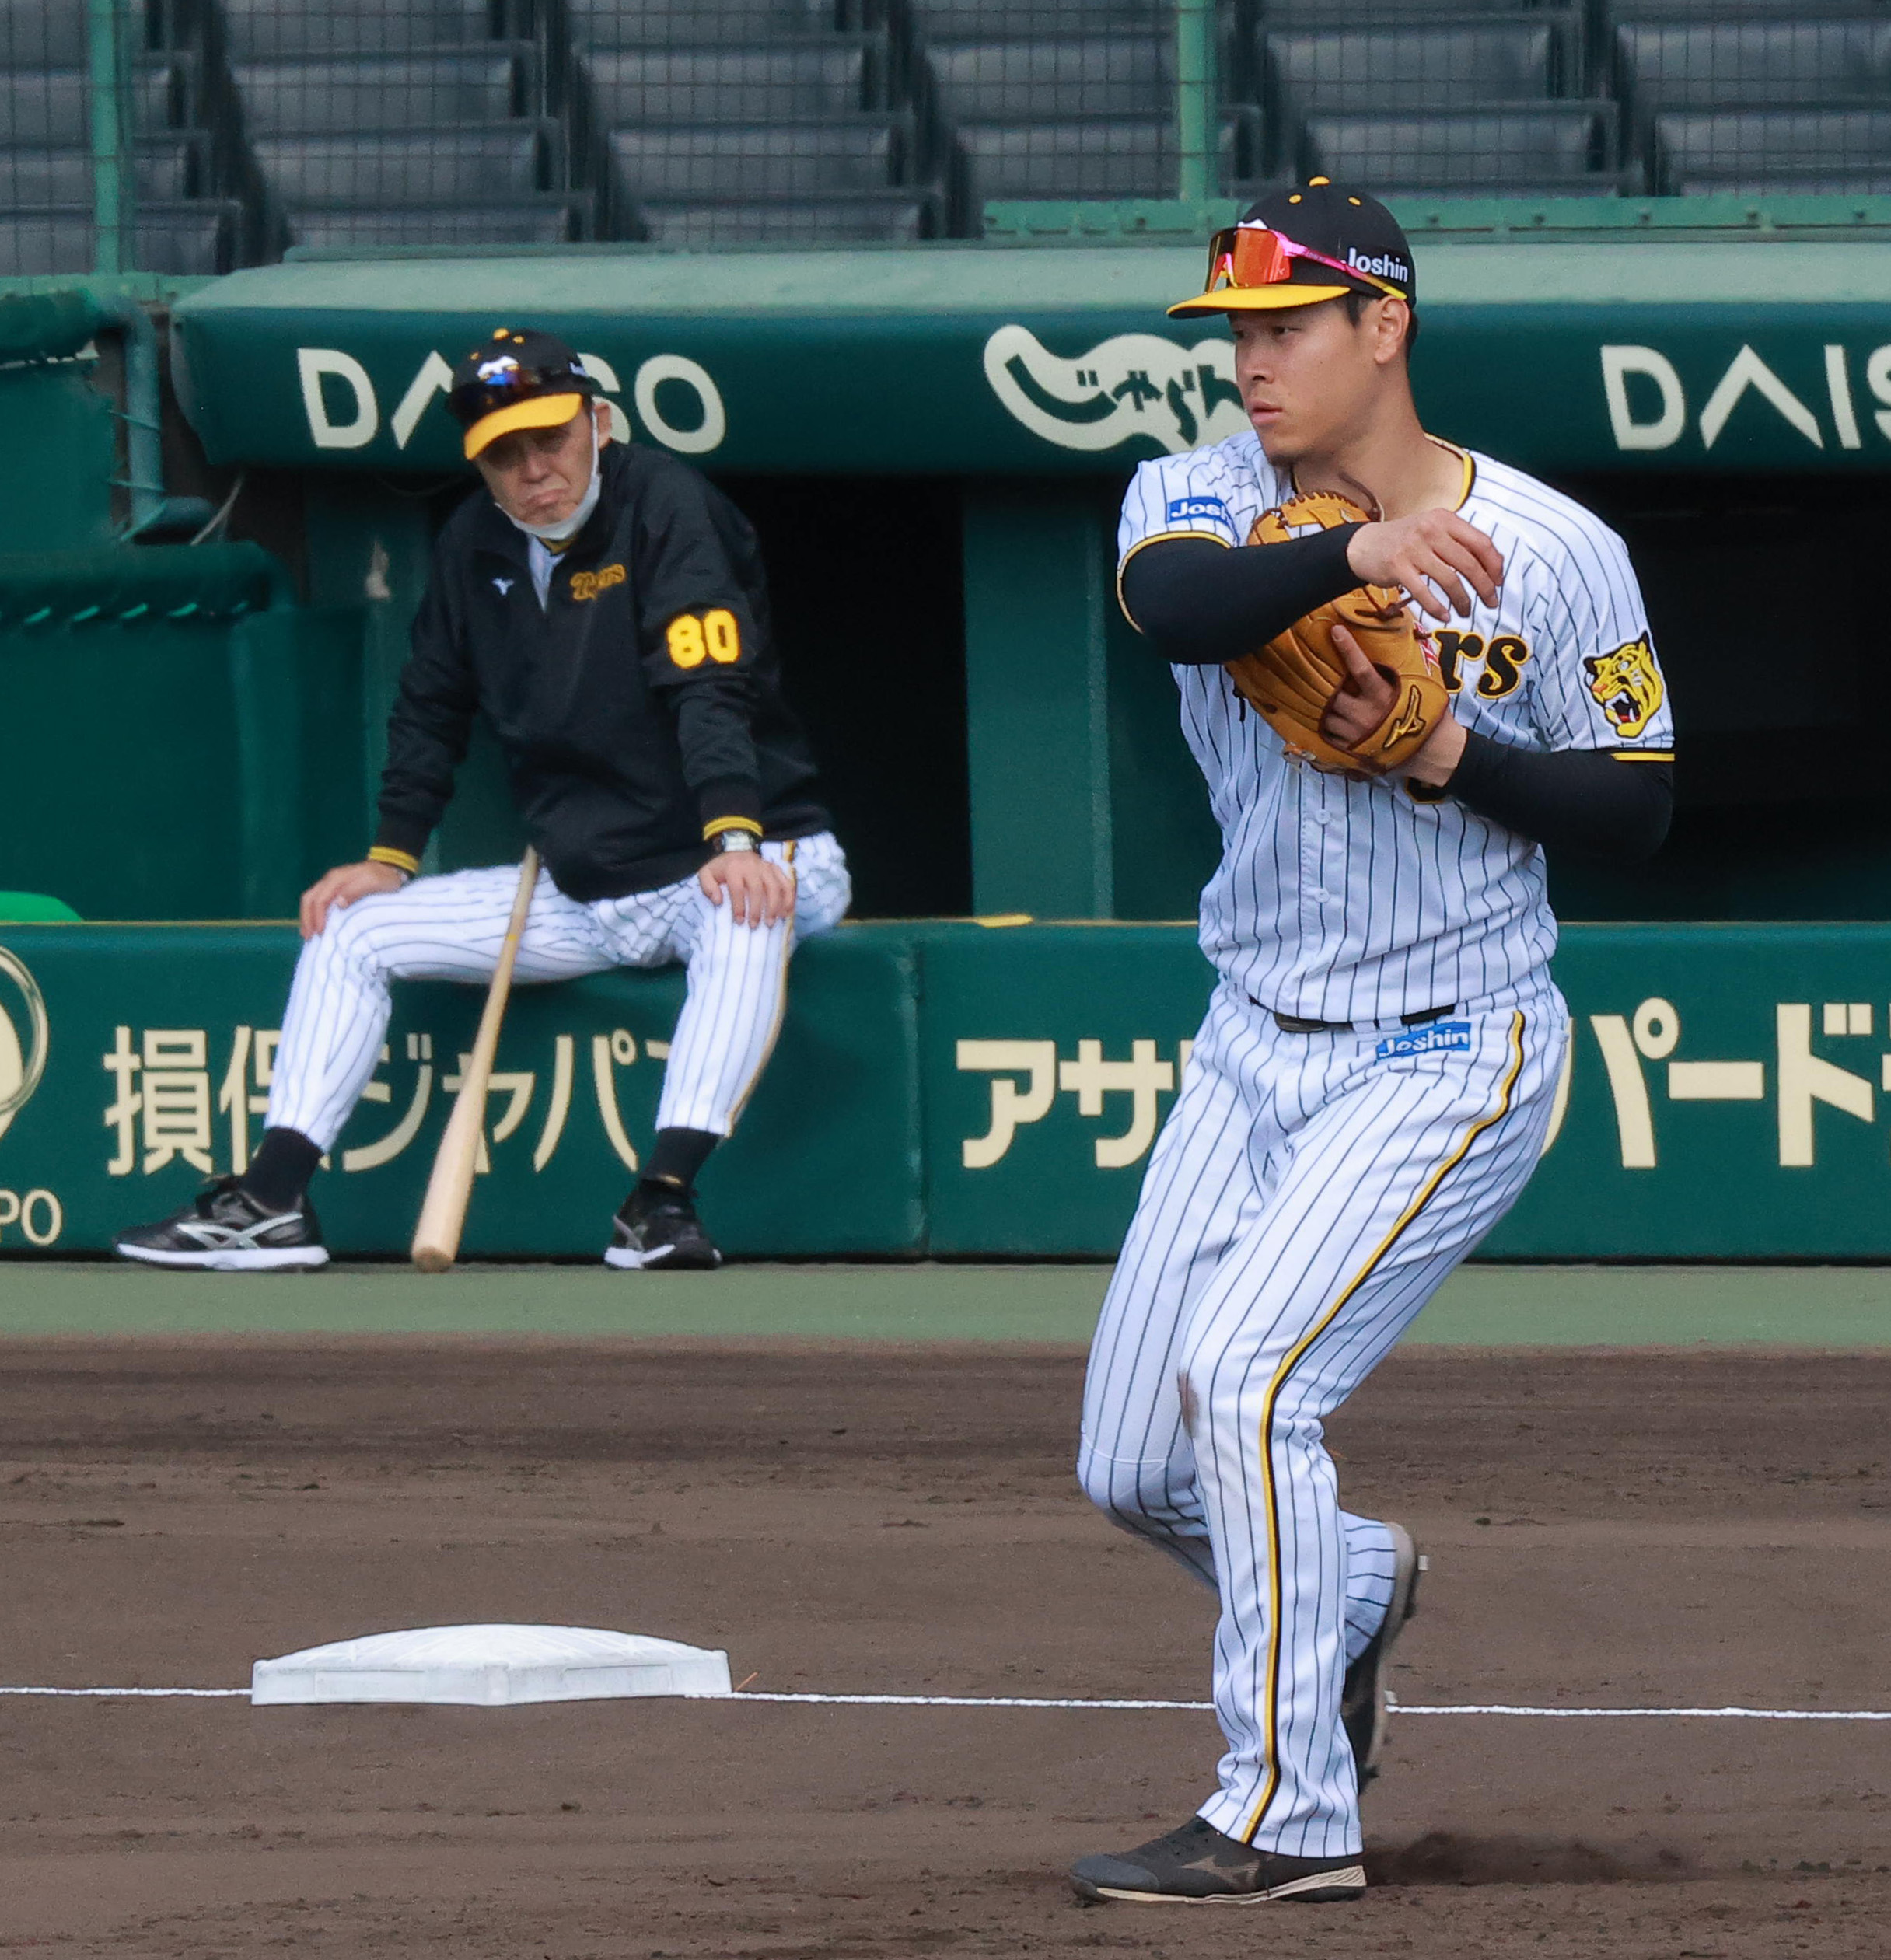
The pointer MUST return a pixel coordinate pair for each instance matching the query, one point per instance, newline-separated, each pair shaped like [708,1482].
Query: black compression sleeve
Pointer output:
[1571,799]
[1200,603]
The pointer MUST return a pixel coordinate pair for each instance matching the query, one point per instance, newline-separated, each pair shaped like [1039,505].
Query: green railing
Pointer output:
[108,39]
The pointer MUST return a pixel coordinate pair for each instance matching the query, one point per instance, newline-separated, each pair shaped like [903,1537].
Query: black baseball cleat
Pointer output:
[659,1231]
[1363,1700]
[224,1230]
[1200,1866]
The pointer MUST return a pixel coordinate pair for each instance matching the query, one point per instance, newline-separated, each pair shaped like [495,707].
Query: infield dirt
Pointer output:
[1643,1528]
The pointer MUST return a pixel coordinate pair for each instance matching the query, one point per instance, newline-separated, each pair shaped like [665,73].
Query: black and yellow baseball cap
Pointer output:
[1296,248]
[525,380]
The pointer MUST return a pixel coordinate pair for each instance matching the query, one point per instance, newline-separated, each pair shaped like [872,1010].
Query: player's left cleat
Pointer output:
[1363,1704]
[1198,1865]
[657,1232]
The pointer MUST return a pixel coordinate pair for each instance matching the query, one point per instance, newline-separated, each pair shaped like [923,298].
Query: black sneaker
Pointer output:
[1200,1866]
[656,1229]
[1362,1702]
[224,1230]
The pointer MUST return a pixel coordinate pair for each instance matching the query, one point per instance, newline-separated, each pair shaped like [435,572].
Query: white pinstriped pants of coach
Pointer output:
[1306,1197]
[451,928]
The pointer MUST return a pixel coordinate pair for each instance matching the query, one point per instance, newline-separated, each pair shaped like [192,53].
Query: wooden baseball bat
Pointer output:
[443,1214]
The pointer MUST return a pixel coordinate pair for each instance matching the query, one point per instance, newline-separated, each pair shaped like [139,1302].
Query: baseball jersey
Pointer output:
[1341,900]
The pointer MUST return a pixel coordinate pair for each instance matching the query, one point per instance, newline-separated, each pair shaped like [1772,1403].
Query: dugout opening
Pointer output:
[1763,602]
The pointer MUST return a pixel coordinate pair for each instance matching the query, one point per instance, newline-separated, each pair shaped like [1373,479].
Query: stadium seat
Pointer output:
[1106,157]
[598,24]
[196,238]
[1450,67]
[1074,75]
[554,221]
[1037,19]
[1756,64]
[781,81]
[1537,150]
[42,34]
[279,30]
[1751,151]
[32,178]
[50,105]
[1730,10]
[1100,157]
[693,161]
[380,92]
[385,123]
[476,167]
[1399,13]
[893,218]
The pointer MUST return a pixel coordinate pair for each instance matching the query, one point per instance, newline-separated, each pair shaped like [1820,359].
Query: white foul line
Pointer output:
[206,1694]
[1673,1714]
[961,1701]
[1397,1707]
[1033,1701]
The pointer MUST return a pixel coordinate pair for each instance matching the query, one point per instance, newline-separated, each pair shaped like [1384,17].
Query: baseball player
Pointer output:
[1373,1082]
[603,607]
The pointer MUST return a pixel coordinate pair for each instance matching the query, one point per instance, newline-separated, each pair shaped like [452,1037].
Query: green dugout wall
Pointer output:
[1723,395]
[945,1090]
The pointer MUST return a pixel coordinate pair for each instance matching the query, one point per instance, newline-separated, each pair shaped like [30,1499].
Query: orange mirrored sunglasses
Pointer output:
[1254,255]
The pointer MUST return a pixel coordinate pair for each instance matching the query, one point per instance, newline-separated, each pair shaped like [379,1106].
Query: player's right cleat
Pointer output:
[224,1230]
[1363,1705]
[658,1232]
[1198,1865]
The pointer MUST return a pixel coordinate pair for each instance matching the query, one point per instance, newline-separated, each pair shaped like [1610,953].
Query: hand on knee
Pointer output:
[757,891]
[331,897]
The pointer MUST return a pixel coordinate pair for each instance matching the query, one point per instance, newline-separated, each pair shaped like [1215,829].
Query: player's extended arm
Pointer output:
[428,729]
[1202,604]
[1570,799]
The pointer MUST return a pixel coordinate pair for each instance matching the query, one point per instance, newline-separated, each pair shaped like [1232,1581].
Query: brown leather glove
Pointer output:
[1291,681]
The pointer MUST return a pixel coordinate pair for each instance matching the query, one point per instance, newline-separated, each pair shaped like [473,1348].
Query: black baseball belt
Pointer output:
[1295,1024]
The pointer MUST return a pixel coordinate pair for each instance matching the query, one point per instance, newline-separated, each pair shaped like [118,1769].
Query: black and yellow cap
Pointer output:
[1298,247]
[523,379]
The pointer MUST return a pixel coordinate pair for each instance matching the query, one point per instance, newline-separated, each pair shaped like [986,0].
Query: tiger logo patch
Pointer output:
[1627,686]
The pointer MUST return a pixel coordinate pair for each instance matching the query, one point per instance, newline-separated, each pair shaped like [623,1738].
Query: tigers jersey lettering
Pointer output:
[1341,900]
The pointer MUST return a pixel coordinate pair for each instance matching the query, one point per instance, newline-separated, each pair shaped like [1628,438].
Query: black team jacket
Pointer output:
[640,710]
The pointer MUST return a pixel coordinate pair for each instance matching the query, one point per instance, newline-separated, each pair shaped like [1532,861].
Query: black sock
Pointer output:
[676,1157]
[280,1171]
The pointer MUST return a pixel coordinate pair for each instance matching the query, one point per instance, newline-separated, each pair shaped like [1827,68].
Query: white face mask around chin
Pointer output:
[568,527]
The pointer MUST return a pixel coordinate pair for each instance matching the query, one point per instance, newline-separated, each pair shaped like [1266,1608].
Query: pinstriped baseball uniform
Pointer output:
[1309,1192]
[451,928]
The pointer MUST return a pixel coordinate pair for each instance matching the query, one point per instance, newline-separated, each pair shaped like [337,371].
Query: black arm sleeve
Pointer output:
[719,748]
[427,730]
[1571,799]
[1200,602]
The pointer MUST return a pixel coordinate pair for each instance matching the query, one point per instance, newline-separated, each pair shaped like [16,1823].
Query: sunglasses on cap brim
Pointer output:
[1256,255]
[507,386]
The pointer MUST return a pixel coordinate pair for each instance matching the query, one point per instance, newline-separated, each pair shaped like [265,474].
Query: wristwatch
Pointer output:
[735,840]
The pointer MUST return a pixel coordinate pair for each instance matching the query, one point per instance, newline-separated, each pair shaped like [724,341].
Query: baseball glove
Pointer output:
[1291,681]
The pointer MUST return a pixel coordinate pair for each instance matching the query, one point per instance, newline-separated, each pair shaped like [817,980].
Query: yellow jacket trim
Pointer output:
[722,823]
[1270,1510]
[385,853]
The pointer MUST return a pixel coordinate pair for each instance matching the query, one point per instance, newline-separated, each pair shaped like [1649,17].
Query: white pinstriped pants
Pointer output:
[452,928]
[1305,1198]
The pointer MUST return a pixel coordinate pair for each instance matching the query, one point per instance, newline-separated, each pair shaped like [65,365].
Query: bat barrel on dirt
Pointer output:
[443,1214]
